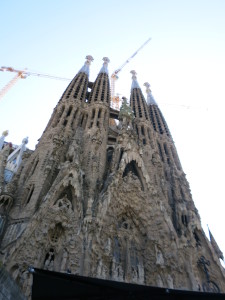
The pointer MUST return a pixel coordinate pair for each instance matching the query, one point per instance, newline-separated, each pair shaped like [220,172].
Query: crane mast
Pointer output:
[24,73]
[114,76]
[11,83]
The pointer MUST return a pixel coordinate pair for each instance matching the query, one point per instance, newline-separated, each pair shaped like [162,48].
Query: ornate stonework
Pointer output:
[102,201]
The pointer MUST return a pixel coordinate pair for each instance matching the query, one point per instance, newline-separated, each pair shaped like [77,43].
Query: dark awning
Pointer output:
[63,286]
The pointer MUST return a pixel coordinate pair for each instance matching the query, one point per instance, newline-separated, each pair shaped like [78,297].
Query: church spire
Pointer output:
[150,98]
[157,119]
[85,68]
[137,100]
[104,68]
[77,88]
[134,84]
[101,88]
[67,112]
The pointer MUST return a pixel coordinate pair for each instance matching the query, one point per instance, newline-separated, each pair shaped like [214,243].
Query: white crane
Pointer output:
[114,77]
[22,74]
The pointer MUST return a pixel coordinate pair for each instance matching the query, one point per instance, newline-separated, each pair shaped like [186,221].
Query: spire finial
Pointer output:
[85,68]
[134,82]
[89,59]
[104,68]
[150,98]
[134,73]
[5,133]
[25,140]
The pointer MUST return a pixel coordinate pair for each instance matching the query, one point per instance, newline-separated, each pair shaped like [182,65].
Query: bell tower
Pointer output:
[96,134]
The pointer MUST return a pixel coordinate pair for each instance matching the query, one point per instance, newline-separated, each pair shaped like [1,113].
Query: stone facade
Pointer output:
[106,201]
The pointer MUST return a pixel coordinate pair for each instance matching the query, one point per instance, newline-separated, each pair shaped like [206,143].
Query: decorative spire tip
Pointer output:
[135,84]
[104,68]
[5,133]
[89,59]
[150,98]
[85,68]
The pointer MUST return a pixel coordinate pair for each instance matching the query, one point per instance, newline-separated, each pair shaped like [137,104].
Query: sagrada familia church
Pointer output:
[104,195]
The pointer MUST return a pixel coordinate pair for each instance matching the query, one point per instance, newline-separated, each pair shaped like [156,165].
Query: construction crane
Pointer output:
[22,74]
[115,99]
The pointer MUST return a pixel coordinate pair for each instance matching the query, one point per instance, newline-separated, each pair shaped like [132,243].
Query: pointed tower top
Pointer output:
[150,98]
[135,84]
[85,68]
[104,68]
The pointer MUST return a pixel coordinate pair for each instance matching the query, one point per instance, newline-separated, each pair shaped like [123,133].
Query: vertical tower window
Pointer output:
[93,114]
[74,118]
[81,120]
[137,130]
[160,152]
[84,123]
[34,166]
[2,222]
[30,193]
[158,121]
[152,116]
[164,123]
[69,111]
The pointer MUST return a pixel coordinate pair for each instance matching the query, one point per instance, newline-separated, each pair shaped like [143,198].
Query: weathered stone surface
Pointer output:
[110,202]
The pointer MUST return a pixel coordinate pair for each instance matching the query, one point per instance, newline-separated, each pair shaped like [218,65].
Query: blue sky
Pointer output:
[184,63]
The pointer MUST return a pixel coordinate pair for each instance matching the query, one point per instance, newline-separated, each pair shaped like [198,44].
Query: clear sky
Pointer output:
[184,63]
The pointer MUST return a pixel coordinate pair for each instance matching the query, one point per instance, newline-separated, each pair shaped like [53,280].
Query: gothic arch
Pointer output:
[70,193]
[132,168]
[137,164]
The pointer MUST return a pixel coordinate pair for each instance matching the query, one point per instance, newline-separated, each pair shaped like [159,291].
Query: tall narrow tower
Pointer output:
[106,201]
